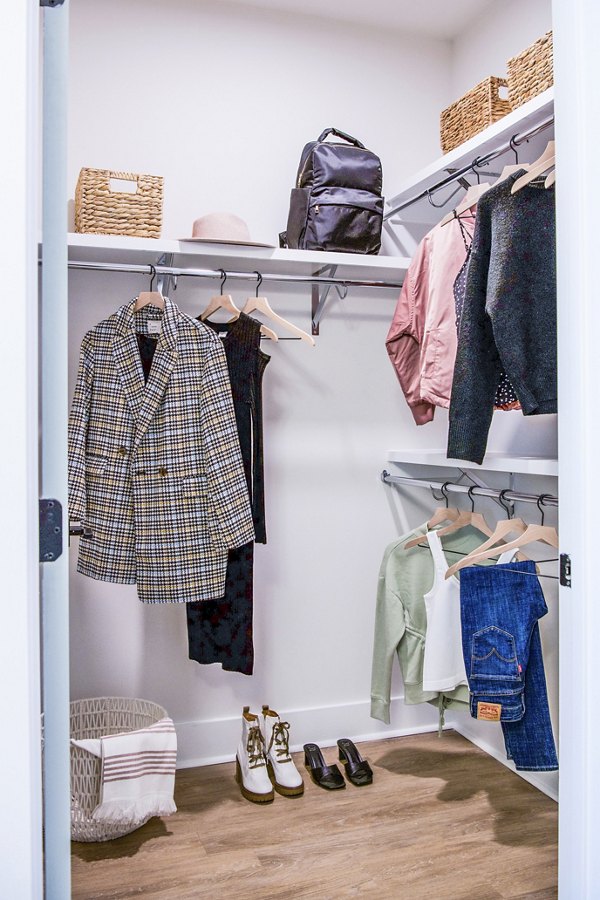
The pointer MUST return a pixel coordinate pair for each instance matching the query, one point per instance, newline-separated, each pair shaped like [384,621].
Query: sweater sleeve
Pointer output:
[405,336]
[477,368]
[389,630]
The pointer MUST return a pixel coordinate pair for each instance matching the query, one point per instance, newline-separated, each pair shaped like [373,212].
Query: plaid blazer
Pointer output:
[155,468]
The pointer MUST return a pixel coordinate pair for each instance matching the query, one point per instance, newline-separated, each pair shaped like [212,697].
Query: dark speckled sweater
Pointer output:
[509,314]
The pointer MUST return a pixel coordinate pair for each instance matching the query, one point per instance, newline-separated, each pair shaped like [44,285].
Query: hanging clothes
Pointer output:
[500,609]
[509,314]
[221,630]
[506,398]
[443,661]
[405,576]
[421,342]
[155,469]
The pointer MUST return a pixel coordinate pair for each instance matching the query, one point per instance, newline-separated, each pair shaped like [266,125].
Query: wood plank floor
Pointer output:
[442,819]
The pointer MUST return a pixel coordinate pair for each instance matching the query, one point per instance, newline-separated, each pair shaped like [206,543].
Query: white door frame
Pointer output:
[577,73]
[20,748]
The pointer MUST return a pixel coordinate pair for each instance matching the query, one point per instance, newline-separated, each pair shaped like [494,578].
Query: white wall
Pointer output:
[503,31]
[220,101]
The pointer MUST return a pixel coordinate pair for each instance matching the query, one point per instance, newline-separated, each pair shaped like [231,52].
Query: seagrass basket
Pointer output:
[531,71]
[473,112]
[95,718]
[102,209]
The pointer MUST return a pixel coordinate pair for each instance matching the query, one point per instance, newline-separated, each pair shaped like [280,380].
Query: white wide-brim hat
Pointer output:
[222,228]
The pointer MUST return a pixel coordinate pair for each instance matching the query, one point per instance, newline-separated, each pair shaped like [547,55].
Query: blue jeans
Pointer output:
[500,607]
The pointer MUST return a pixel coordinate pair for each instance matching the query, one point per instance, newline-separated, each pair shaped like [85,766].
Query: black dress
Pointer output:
[221,630]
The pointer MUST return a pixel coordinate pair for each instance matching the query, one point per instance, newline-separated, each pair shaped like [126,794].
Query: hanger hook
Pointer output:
[437,499]
[539,503]
[153,274]
[223,279]
[444,490]
[513,146]
[505,504]
[470,493]
[259,281]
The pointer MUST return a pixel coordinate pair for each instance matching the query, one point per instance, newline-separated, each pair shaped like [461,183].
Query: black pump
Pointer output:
[328,777]
[358,770]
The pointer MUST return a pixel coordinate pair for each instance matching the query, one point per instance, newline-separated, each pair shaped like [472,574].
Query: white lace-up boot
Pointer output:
[250,762]
[281,767]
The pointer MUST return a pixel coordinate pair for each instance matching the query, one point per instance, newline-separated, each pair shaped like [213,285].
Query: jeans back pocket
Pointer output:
[494,654]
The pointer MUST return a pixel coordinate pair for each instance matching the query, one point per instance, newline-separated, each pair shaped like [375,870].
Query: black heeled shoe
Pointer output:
[328,777]
[358,770]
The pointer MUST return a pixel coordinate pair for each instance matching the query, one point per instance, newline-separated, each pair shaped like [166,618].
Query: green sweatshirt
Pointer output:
[405,577]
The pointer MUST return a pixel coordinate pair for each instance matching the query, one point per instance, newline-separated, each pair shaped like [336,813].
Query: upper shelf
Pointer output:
[121,249]
[519,121]
[493,462]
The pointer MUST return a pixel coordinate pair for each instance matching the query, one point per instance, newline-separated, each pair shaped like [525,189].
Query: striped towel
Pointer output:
[138,772]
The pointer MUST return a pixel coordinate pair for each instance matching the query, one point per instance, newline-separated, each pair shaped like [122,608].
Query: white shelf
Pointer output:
[120,249]
[493,462]
[520,120]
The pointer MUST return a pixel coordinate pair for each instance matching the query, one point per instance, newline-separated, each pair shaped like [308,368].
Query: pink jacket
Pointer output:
[421,342]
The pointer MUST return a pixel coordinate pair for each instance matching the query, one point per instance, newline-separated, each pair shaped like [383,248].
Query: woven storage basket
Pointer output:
[530,72]
[93,719]
[101,210]
[473,112]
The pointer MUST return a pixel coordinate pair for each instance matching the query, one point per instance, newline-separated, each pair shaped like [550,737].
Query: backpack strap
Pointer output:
[342,134]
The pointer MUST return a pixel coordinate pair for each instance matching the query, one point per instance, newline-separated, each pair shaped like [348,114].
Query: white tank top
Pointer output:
[443,662]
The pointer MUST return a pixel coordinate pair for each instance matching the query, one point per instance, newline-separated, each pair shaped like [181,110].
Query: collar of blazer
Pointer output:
[144,398]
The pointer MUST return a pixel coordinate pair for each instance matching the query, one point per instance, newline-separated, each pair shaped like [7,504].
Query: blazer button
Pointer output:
[122,451]
[162,471]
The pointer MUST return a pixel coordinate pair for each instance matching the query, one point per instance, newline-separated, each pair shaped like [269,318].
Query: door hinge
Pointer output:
[565,570]
[51,530]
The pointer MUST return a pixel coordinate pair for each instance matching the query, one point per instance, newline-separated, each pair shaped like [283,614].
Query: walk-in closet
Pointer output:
[278,604]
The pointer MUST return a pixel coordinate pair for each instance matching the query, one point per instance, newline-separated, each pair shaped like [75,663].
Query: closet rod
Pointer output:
[477,163]
[512,496]
[218,273]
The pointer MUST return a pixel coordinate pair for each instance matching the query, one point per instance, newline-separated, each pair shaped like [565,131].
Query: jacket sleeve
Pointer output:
[405,336]
[226,482]
[389,630]
[77,434]
[477,368]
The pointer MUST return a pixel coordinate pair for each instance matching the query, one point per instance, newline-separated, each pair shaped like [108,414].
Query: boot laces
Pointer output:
[280,737]
[254,748]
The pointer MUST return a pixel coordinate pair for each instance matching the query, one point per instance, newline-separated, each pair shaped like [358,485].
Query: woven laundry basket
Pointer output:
[531,72]
[95,718]
[100,209]
[471,113]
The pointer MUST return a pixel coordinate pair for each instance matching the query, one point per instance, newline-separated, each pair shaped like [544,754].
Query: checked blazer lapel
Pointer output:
[144,399]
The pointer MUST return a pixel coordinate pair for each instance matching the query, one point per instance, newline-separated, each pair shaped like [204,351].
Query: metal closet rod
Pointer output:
[512,496]
[477,163]
[243,276]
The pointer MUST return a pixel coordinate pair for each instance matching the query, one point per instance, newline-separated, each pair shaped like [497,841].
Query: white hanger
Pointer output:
[225,301]
[149,298]
[475,192]
[261,304]
[541,165]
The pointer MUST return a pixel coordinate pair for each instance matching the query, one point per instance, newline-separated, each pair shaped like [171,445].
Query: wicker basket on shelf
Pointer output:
[100,209]
[473,112]
[530,72]
[96,718]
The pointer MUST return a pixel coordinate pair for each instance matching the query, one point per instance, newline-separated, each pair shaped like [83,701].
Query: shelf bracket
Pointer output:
[319,299]
[165,283]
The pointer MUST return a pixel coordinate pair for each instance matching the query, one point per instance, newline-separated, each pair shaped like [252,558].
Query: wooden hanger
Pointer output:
[537,168]
[149,298]
[510,170]
[225,301]
[261,304]
[550,179]
[441,514]
[475,192]
[532,533]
